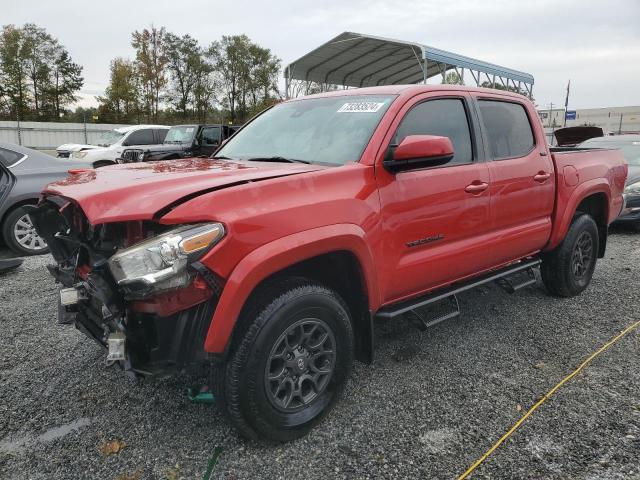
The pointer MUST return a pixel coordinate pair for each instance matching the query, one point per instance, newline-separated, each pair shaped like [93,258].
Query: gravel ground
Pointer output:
[431,404]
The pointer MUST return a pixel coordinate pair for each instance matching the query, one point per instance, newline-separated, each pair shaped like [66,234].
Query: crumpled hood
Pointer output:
[137,191]
[75,147]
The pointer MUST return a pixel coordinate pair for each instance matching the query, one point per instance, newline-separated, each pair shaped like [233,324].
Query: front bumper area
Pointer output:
[164,333]
[631,211]
[155,345]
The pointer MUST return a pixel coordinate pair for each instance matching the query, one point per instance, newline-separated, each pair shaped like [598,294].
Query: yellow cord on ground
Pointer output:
[546,397]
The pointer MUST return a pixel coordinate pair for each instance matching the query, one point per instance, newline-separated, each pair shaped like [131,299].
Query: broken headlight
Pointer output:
[160,263]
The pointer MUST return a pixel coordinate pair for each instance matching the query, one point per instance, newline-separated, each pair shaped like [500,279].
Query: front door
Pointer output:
[434,219]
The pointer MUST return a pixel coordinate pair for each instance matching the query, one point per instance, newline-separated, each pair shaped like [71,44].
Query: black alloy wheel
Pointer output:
[300,364]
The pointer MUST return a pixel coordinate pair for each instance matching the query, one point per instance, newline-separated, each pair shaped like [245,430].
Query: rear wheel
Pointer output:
[567,270]
[20,235]
[289,363]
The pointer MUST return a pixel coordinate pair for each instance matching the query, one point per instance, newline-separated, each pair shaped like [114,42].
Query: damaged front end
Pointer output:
[137,287]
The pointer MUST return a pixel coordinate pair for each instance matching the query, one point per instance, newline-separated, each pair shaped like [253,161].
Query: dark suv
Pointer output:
[182,141]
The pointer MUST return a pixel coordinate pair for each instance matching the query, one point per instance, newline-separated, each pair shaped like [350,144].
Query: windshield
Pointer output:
[333,130]
[630,149]
[181,134]
[109,138]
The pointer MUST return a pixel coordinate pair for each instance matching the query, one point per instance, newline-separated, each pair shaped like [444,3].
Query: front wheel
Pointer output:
[290,362]
[20,235]
[567,270]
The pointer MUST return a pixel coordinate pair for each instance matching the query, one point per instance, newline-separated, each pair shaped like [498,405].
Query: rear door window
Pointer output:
[445,117]
[141,137]
[8,158]
[508,129]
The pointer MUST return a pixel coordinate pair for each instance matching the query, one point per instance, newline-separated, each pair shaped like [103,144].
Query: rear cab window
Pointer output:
[507,128]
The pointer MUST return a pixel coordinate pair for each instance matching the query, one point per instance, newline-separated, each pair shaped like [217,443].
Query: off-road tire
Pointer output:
[239,383]
[558,266]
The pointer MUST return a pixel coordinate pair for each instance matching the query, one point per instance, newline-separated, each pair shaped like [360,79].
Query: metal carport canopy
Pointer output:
[357,60]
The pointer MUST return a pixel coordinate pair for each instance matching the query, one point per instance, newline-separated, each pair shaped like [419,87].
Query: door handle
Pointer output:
[541,177]
[476,187]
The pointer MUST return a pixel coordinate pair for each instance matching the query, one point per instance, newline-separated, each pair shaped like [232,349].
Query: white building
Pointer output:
[612,120]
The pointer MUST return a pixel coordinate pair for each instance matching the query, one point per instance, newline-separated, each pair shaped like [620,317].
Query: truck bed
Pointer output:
[583,172]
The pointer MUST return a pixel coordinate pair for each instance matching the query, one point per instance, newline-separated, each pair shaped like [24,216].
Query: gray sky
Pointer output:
[596,44]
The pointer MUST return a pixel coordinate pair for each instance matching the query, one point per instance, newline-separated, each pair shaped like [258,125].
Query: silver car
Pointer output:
[630,147]
[23,175]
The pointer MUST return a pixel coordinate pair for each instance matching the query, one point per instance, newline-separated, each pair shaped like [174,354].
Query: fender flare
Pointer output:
[562,221]
[274,257]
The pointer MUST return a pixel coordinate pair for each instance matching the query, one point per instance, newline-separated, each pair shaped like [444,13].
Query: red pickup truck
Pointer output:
[269,261]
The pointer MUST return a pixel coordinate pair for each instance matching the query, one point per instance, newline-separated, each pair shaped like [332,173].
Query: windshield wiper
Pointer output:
[277,159]
[220,157]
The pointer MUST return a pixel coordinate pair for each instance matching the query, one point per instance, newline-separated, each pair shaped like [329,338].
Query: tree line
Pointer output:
[169,78]
[38,78]
[172,78]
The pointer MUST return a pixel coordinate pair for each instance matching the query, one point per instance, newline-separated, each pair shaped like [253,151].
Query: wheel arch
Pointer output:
[597,205]
[337,256]
[593,198]
[18,204]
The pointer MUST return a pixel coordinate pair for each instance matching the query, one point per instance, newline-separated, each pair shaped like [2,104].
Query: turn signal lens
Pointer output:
[203,239]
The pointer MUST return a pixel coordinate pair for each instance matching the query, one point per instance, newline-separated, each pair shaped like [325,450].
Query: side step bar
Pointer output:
[400,308]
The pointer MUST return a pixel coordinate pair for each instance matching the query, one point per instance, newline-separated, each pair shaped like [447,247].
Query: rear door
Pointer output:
[522,178]
[434,223]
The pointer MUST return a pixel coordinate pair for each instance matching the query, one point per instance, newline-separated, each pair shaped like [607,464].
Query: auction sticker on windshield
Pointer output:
[360,107]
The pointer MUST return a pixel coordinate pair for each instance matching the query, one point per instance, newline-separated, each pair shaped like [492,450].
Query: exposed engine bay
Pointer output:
[135,287]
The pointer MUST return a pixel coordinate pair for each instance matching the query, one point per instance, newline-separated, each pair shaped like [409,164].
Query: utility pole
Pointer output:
[551,124]
[18,119]
[84,120]
[620,125]
[566,103]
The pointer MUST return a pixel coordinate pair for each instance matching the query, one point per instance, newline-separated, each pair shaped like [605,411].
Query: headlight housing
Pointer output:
[141,156]
[633,189]
[81,154]
[160,263]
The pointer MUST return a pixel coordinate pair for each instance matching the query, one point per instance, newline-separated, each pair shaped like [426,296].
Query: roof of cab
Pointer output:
[411,90]
[138,127]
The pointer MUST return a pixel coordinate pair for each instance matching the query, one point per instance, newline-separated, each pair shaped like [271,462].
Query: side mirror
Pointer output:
[420,151]
[196,143]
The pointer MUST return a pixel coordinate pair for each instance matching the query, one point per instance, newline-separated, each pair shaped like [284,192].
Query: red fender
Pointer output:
[277,255]
[566,208]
